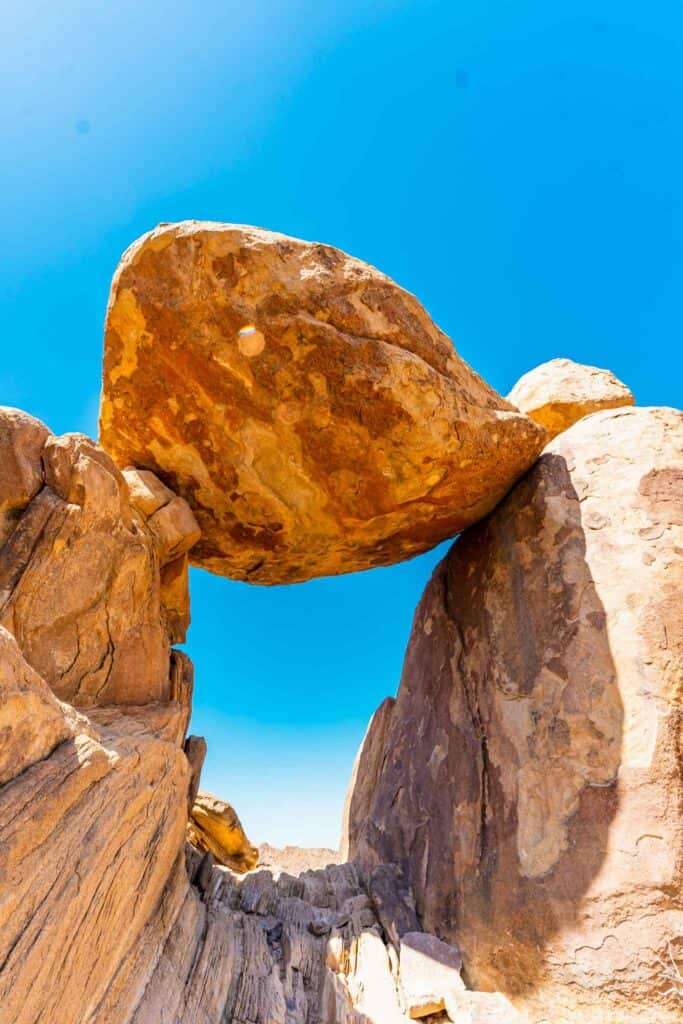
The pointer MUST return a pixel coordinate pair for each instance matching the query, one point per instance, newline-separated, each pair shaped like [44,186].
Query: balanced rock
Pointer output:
[530,781]
[305,406]
[215,828]
[558,393]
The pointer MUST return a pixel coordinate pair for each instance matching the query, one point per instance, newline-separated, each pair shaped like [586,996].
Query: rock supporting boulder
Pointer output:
[529,778]
[215,828]
[84,582]
[306,407]
[558,393]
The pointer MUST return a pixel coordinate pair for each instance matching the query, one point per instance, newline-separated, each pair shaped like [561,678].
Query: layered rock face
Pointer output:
[304,405]
[528,778]
[93,798]
[559,393]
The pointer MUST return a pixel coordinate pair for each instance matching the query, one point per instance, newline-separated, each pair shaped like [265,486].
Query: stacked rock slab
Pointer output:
[528,779]
[305,406]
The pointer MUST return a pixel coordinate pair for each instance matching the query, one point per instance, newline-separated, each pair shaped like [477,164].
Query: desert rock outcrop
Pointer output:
[529,782]
[84,572]
[106,916]
[215,828]
[305,406]
[560,392]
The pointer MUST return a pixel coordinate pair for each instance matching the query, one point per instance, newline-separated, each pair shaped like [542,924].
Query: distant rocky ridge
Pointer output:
[513,836]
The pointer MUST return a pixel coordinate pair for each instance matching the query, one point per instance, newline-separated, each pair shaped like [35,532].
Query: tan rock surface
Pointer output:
[215,828]
[532,785]
[89,832]
[93,591]
[560,392]
[106,916]
[429,975]
[100,922]
[306,407]
[21,471]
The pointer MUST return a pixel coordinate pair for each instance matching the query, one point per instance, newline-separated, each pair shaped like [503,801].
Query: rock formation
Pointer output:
[304,405]
[106,916]
[83,572]
[528,778]
[215,828]
[559,393]
[275,411]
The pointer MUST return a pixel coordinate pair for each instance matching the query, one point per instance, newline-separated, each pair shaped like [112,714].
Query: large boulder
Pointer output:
[93,582]
[560,392]
[305,406]
[528,781]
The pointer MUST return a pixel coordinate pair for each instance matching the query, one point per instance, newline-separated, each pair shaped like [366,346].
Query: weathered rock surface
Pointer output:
[215,828]
[91,821]
[304,405]
[560,392]
[104,920]
[85,571]
[365,775]
[530,783]
[430,979]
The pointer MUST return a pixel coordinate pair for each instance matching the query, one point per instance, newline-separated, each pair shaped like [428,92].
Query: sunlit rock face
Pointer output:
[560,392]
[215,828]
[93,586]
[528,777]
[305,406]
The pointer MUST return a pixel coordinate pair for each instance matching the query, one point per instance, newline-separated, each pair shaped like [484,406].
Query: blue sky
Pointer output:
[516,165]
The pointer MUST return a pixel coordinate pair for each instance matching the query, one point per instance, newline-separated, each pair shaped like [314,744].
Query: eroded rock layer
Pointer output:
[529,778]
[305,406]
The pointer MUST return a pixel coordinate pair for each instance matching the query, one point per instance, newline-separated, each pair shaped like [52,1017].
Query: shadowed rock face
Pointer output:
[529,776]
[559,393]
[306,407]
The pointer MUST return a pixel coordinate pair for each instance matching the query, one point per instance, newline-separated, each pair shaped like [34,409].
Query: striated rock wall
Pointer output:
[530,778]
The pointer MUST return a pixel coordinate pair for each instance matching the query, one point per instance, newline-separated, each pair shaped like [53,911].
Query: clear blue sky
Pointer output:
[518,165]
